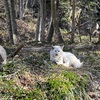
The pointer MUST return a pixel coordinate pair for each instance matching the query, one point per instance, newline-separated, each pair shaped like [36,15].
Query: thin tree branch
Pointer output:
[11,74]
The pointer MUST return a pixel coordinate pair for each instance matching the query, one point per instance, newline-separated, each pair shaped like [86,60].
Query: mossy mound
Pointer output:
[66,84]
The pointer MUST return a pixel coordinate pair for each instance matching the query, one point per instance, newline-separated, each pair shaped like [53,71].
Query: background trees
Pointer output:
[8,21]
[11,23]
[51,18]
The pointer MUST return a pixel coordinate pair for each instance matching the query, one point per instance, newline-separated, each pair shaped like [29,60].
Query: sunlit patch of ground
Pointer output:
[32,74]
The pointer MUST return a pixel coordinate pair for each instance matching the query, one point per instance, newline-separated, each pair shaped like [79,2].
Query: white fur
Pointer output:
[64,58]
[3,54]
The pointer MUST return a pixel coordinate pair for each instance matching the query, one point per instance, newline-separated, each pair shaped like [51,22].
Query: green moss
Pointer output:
[67,85]
[58,86]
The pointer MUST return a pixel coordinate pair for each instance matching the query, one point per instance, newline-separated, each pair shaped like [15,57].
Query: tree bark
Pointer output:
[37,28]
[42,20]
[40,30]
[99,39]
[21,9]
[56,20]
[73,21]
[13,22]
[9,27]
[50,31]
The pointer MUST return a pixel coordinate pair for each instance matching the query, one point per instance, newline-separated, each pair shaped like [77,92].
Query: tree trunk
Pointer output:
[73,21]
[25,4]
[56,20]
[40,30]
[21,7]
[37,28]
[42,20]
[29,3]
[13,22]
[50,31]
[25,7]
[7,8]
[99,39]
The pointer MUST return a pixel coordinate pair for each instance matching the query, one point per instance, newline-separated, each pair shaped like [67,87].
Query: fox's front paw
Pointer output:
[66,64]
[59,63]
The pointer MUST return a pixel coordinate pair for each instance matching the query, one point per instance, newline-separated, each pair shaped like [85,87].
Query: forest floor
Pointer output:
[31,66]
[28,74]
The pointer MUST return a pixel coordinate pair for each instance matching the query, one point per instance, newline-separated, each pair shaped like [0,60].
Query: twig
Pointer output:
[83,24]
[79,25]
[11,74]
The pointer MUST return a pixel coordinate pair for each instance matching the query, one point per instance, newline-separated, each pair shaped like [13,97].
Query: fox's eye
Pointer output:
[58,51]
[55,51]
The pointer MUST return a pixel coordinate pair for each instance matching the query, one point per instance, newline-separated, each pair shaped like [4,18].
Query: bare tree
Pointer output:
[50,31]
[21,9]
[73,20]
[13,22]
[37,35]
[43,12]
[7,8]
[40,30]
[54,23]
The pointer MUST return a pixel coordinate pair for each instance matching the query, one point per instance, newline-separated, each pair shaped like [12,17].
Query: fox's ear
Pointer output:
[62,47]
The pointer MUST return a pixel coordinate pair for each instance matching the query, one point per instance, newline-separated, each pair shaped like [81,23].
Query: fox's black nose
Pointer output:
[56,54]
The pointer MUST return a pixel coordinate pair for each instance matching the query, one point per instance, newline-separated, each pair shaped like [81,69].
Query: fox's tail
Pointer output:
[78,64]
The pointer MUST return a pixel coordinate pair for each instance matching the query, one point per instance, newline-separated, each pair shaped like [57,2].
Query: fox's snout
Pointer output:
[56,54]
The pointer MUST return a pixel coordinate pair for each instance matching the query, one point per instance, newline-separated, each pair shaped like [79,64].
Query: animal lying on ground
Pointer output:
[64,58]
[3,55]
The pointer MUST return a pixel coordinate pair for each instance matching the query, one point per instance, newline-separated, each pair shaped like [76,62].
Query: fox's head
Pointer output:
[57,50]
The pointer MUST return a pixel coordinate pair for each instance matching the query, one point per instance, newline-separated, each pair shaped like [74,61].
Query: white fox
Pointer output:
[64,58]
[3,54]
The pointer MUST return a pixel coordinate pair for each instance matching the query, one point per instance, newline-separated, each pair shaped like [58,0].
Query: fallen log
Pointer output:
[16,51]
[46,48]
[37,49]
